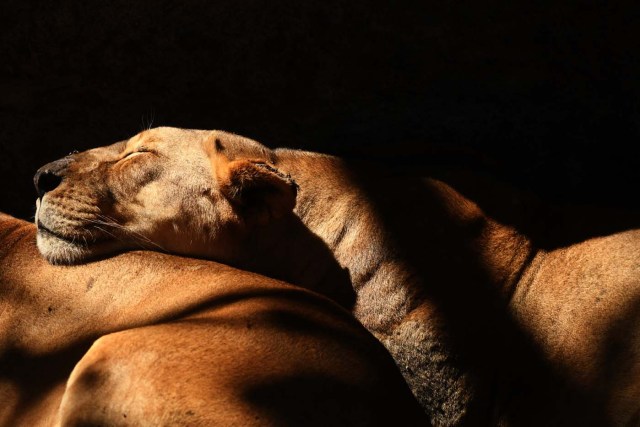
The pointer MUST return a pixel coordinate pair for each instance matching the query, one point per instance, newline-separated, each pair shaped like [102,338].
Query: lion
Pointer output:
[181,342]
[489,322]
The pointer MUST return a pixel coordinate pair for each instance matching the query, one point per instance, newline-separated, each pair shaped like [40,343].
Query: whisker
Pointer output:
[107,232]
[140,239]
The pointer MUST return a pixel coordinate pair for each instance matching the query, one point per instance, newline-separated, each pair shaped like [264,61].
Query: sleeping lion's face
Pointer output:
[181,191]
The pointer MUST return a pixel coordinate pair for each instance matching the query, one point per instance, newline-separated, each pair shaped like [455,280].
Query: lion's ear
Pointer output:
[259,189]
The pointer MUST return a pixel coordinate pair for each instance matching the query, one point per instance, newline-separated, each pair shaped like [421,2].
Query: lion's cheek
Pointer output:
[155,203]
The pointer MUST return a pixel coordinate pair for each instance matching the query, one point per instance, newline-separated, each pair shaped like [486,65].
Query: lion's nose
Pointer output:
[46,180]
[49,176]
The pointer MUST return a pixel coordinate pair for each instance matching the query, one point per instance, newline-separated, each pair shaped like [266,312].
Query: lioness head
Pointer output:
[182,191]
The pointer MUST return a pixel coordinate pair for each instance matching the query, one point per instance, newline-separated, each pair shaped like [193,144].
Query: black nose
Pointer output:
[48,177]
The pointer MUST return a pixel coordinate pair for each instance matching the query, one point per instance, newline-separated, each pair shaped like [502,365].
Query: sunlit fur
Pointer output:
[449,288]
[149,339]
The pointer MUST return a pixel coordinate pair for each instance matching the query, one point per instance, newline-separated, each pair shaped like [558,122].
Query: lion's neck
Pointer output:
[431,271]
[404,239]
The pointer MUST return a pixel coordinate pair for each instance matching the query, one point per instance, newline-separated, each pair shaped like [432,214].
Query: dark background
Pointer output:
[541,94]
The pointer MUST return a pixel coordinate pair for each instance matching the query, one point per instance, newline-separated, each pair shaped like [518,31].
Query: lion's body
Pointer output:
[581,306]
[469,302]
[182,342]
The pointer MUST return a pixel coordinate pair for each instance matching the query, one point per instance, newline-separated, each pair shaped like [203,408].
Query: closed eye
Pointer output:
[136,153]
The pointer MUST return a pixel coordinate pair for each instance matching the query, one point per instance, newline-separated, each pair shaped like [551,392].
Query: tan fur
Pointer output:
[486,318]
[180,342]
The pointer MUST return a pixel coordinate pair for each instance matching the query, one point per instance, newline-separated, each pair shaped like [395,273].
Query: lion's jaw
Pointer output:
[72,239]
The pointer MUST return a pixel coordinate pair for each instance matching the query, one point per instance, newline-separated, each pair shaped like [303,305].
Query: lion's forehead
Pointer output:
[167,136]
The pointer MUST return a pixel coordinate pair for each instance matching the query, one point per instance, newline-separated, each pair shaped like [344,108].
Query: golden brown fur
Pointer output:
[181,342]
[488,322]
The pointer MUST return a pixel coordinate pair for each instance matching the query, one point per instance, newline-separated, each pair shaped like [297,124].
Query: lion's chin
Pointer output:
[59,251]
